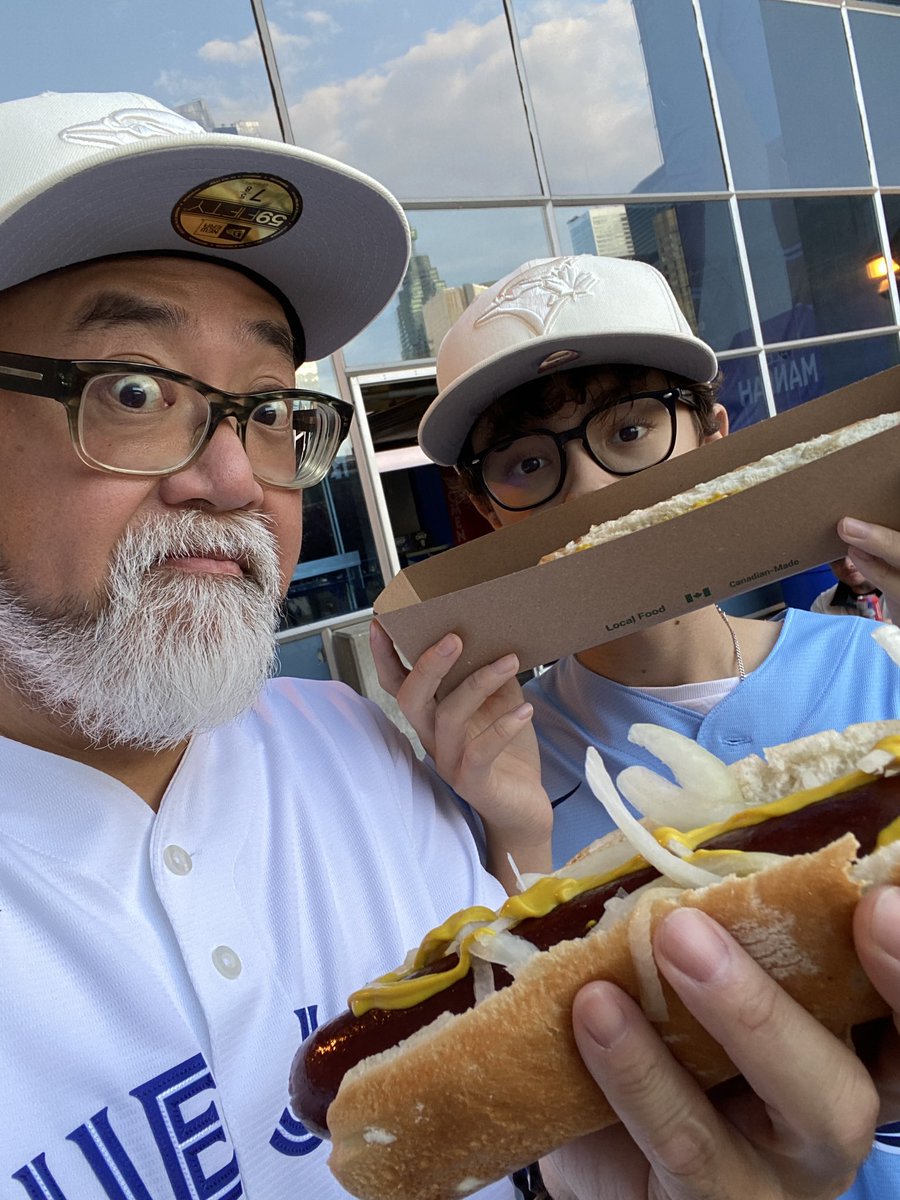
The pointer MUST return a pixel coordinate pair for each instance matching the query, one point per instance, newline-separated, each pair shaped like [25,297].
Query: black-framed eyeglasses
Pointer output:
[624,437]
[134,419]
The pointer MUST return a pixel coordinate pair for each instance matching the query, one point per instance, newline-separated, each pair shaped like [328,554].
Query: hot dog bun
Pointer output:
[472,1097]
[732,482]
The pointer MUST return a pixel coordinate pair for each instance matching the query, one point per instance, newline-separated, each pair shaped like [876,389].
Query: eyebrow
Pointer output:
[110,309]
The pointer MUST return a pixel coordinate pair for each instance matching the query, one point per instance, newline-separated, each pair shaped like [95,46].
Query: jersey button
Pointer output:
[226,962]
[178,861]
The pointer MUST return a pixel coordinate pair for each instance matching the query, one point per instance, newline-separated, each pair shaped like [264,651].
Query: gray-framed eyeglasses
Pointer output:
[134,419]
[624,437]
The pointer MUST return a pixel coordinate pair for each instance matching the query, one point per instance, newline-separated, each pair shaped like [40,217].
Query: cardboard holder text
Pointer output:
[495,595]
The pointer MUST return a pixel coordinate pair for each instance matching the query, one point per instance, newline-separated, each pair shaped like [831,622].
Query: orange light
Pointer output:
[876,268]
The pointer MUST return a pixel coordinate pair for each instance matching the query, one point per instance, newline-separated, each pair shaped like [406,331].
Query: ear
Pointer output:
[720,418]
[486,509]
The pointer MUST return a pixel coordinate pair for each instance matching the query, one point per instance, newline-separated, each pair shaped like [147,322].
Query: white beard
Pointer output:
[166,653]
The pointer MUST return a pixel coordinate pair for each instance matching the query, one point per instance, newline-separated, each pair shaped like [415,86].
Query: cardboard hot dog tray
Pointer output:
[494,593]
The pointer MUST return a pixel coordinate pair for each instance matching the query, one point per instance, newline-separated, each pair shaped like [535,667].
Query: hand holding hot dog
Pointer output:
[482,743]
[875,550]
[798,1124]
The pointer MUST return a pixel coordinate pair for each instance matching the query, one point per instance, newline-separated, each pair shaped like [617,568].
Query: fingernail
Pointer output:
[694,944]
[447,645]
[852,528]
[523,712]
[605,1021]
[503,666]
[886,926]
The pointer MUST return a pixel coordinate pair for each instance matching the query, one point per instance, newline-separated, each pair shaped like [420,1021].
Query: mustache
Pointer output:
[247,538]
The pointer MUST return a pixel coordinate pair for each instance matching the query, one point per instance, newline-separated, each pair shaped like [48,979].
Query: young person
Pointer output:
[198,866]
[560,379]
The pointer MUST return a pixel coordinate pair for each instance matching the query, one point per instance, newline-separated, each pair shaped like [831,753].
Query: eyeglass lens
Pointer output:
[144,422]
[625,438]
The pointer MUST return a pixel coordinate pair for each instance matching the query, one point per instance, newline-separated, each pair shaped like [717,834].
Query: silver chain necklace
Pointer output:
[739,658]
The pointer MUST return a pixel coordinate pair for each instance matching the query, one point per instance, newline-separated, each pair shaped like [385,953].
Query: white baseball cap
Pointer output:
[88,175]
[553,314]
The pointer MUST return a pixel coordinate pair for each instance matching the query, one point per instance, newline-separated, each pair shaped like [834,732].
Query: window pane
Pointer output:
[876,40]
[691,243]
[892,218]
[455,253]
[741,392]
[785,89]
[180,54]
[425,99]
[810,371]
[810,260]
[620,96]
[338,570]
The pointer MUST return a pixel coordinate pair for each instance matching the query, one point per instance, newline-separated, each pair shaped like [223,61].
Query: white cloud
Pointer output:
[246,50]
[322,21]
[446,117]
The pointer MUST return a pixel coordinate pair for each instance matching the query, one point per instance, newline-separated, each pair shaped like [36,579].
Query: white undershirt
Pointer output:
[698,697]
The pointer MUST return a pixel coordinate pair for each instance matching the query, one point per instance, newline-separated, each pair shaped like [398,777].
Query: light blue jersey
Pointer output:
[823,673]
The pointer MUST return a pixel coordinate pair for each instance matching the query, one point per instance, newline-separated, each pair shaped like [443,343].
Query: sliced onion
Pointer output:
[502,948]
[640,943]
[482,979]
[618,907]
[740,862]
[707,790]
[878,762]
[683,873]
[600,861]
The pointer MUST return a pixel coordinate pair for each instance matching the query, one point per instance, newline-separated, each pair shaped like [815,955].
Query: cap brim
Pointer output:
[450,417]
[338,265]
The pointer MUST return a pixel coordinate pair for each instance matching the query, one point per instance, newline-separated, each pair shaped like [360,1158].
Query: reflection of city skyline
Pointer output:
[427,306]
[648,232]
[197,110]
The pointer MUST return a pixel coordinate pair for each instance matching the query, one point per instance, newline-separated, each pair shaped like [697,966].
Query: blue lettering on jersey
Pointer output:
[37,1181]
[292,1137]
[182,1140]
[108,1160]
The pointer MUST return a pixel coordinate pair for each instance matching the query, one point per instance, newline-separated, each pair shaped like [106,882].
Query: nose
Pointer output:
[583,475]
[220,479]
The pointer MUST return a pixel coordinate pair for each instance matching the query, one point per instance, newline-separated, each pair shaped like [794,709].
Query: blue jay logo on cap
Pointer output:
[126,126]
[538,294]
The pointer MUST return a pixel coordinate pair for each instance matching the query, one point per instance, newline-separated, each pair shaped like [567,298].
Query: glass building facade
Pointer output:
[746,148]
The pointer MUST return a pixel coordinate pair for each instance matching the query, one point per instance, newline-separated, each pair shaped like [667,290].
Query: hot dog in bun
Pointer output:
[461,1066]
[731,483]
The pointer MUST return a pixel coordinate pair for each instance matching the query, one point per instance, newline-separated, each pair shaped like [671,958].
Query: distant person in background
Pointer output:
[853,595]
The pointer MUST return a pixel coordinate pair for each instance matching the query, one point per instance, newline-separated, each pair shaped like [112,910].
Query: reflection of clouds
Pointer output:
[239,53]
[449,118]
[589,86]
[446,116]
[321,20]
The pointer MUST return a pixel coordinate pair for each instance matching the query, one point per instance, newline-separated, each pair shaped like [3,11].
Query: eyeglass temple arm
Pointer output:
[32,375]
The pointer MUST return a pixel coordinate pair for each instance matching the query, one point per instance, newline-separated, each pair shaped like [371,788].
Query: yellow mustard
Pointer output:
[402,989]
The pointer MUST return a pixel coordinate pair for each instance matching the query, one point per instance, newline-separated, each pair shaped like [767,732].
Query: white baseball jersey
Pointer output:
[158,971]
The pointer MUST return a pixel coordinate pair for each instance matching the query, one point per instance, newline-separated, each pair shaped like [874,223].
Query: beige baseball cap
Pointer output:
[87,175]
[552,314]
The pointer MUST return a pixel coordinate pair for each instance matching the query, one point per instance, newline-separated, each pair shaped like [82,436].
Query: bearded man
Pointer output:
[198,868]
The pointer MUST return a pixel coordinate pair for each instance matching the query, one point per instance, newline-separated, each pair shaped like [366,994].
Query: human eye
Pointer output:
[524,459]
[273,414]
[143,393]
[632,421]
